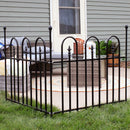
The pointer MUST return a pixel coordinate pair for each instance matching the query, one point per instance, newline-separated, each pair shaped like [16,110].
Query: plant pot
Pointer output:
[80,43]
[103,65]
[116,60]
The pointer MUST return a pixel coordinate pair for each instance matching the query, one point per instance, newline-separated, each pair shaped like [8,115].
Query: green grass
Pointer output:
[108,117]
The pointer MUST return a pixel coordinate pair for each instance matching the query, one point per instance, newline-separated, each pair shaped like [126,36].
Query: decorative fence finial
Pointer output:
[126,26]
[4,28]
[50,27]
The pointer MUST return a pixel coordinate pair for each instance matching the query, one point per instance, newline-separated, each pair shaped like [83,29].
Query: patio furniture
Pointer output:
[37,65]
[13,46]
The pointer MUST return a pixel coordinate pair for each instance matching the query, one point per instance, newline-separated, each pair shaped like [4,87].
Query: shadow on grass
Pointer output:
[8,106]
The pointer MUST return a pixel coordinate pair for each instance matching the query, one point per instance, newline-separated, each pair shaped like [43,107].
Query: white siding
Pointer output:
[29,18]
[108,17]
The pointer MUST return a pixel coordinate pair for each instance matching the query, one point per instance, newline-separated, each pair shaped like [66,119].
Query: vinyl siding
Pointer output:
[29,18]
[108,17]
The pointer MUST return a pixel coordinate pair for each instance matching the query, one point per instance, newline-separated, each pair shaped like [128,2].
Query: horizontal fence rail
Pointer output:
[36,78]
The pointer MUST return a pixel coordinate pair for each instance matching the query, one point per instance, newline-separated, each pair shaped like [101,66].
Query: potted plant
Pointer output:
[103,52]
[103,48]
[114,51]
[112,48]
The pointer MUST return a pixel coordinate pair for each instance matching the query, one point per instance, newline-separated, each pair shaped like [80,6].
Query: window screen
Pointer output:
[69,13]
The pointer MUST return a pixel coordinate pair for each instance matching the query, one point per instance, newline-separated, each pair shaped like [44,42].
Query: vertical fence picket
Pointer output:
[119,76]
[45,78]
[92,64]
[99,71]
[99,63]
[77,80]
[11,70]
[18,71]
[69,55]
[107,73]
[85,76]
[5,63]
[30,75]
[22,76]
[36,62]
[40,80]
[26,76]
[126,42]
[62,80]
[113,74]
[14,73]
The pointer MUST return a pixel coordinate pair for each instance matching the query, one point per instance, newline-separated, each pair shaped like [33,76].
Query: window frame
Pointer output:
[71,7]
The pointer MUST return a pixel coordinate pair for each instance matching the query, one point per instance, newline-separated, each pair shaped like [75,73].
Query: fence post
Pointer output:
[126,41]
[5,62]
[92,77]
[119,75]
[50,40]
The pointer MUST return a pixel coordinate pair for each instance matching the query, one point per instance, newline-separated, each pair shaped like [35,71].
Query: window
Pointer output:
[69,16]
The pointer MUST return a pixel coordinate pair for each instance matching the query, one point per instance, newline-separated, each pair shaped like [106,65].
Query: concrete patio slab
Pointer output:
[57,97]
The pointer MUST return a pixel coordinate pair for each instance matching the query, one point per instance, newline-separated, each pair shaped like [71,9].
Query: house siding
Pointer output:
[108,17]
[25,18]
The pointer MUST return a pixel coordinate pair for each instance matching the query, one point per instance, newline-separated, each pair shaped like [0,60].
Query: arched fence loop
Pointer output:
[69,73]
[39,61]
[44,45]
[62,46]
[113,70]
[17,45]
[86,42]
[118,42]
[25,44]
[92,67]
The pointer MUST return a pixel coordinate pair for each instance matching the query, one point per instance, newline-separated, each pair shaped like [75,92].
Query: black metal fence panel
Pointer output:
[79,83]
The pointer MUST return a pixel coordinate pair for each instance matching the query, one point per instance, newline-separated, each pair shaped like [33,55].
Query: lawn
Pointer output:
[108,117]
